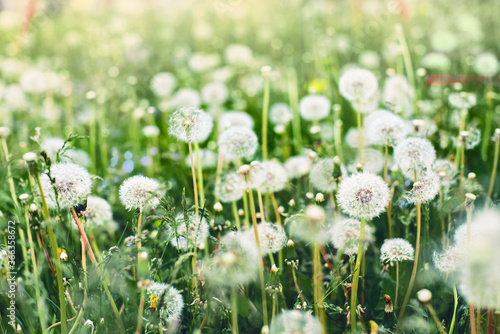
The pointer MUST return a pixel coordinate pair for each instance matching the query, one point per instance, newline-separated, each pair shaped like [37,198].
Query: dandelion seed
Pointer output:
[237,142]
[414,155]
[73,184]
[396,250]
[98,211]
[358,84]
[230,188]
[344,235]
[190,125]
[425,189]
[169,302]
[272,237]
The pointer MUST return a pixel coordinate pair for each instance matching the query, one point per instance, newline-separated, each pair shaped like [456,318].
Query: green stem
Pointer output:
[360,134]
[236,215]
[294,104]
[455,305]
[234,312]
[265,110]
[195,187]
[199,173]
[493,174]
[354,285]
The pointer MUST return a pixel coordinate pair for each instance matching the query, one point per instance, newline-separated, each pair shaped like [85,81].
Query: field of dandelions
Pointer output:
[249,167]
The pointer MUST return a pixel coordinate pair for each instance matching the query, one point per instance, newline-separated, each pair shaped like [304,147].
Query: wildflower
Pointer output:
[486,64]
[311,225]
[296,322]
[462,100]
[398,94]
[186,97]
[373,162]
[234,118]
[150,131]
[238,54]
[237,142]
[280,114]
[314,107]
[445,169]
[98,211]
[73,184]
[235,262]
[51,146]
[414,155]
[363,195]
[168,302]
[448,261]
[436,61]
[425,189]
[190,124]
[386,129]
[163,84]
[196,234]
[139,192]
[272,237]
[396,250]
[298,166]
[269,176]
[322,175]
[358,84]
[214,93]
[344,235]
[230,188]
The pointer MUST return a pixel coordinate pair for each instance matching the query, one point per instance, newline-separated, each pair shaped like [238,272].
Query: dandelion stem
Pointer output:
[435,318]
[294,104]
[415,264]
[236,215]
[261,205]
[455,305]
[318,286]
[261,265]
[265,110]
[53,245]
[200,173]
[195,188]
[469,209]
[297,286]
[234,312]
[493,174]
[141,310]
[276,210]
[9,175]
[397,285]
[360,133]
[355,279]
[386,158]
[389,213]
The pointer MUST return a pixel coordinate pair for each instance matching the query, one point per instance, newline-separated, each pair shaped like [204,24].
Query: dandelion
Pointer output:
[280,114]
[396,250]
[298,166]
[311,225]
[163,84]
[235,262]
[186,97]
[398,94]
[269,176]
[237,142]
[314,107]
[168,302]
[98,211]
[373,162]
[345,234]
[230,188]
[295,322]
[139,192]
[385,129]
[51,146]
[78,157]
[190,125]
[445,169]
[322,176]
[208,159]
[272,237]
[486,64]
[238,54]
[413,156]
[462,100]
[450,260]
[197,232]
[234,118]
[436,61]
[72,183]
[150,131]
[358,84]
[425,189]
[214,93]
[363,195]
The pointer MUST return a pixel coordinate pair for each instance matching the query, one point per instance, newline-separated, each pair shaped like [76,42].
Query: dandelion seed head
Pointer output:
[414,155]
[344,235]
[398,94]
[314,107]
[150,131]
[450,260]
[425,189]
[139,192]
[445,169]
[235,118]
[386,129]
[436,61]
[51,146]
[72,182]
[237,142]
[269,176]
[358,84]
[163,84]
[295,322]
[298,166]
[280,114]
[486,64]
[238,55]
[363,195]
[462,100]
[214,93]
[230,188]
[98,211]
[373,162]
[196,232]
[78,157]
[186,97]
[396,250]
[190,124]
[170,302]
[272,237]
[321,175]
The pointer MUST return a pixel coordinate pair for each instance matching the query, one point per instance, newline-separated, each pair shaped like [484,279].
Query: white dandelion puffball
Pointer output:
[14,98]
[72,182]
[373,162]
[190,125]
[486,64]
[150,131]
[98,211]
[234,118]
[202,62]
[269,176]
[450,260]
[234,263]
[314,107]
[311,225]
[363,195]
[186,97]
[358,84]
[139,192]
[34,81]
[214,93]
[396,250]
[169,302]
[280,114]
[425,189]
[321,175]
[196,232]
[462,100]
[51,146]
[78,157]
[387,129]
[444,41]
[345,233]
[237,142]
[480,272]
[398,94]
[272,237]
[230,188]
[460,236]
[445,169]
[298,166]
[367,106]
[163,84]
[238,54]
[414,155]
[436,61]
[295,322]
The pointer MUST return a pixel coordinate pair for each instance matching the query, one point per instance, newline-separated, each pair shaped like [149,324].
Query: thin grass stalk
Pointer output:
[355,279]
